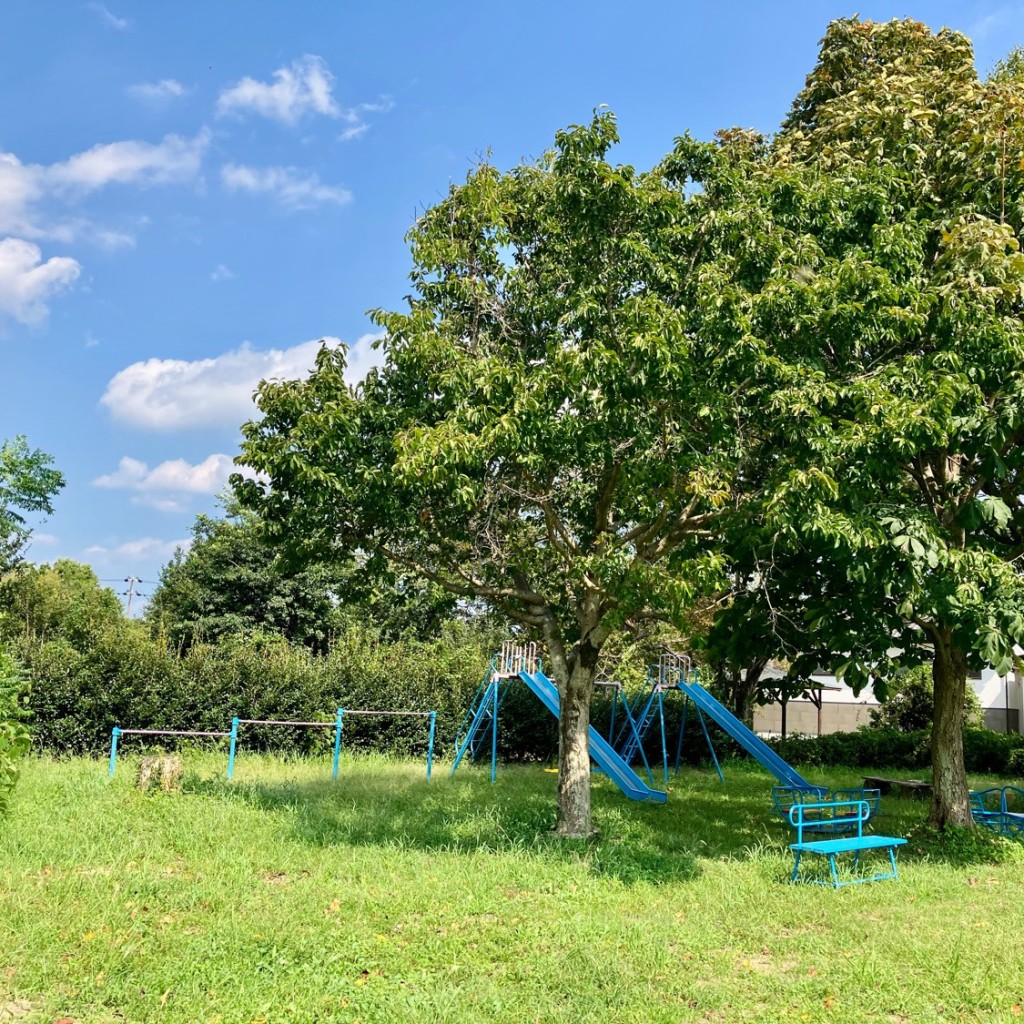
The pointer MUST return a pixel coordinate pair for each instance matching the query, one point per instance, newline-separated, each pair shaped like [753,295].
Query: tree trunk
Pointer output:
[740,686]
[951,803]
[574,745]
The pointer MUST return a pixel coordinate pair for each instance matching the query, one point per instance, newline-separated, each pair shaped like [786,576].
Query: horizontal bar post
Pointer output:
[417,714]
[270,721]
[167,732]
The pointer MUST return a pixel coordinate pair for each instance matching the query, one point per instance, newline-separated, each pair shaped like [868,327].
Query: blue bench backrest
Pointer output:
[855,810]
[997,800]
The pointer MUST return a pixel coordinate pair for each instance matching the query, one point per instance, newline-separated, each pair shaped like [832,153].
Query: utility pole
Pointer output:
[130,593]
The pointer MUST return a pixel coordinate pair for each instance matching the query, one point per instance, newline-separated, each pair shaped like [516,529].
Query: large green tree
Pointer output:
[231,581]
[551,432]
[895,519]
[28,484]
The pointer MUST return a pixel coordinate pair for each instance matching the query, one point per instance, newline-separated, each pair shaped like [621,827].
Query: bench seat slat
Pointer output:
[827,846]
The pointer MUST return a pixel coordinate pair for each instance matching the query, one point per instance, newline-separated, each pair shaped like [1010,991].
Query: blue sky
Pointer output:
[192,194]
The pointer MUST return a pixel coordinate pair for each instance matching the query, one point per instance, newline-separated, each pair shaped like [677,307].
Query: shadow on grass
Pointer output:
[637,842]
[466,814]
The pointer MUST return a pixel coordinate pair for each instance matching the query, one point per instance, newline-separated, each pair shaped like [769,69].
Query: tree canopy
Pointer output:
[554,429]
[798,358]
[28,484]
[232,581]
[905,428]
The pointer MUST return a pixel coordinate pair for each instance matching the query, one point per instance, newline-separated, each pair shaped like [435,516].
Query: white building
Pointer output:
[1001,699]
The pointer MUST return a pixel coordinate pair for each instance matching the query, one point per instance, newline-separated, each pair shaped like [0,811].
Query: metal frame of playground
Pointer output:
[518,661]
[810,809]
[337,725]
[673,673]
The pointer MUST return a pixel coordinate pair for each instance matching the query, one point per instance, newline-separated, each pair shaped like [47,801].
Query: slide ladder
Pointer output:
[749,741]
[631,738]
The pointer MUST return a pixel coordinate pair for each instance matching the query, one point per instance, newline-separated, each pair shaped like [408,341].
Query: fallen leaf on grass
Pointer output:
[15,1009]
[1016,1009]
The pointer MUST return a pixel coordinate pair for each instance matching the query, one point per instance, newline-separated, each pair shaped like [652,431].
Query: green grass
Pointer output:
[382,898]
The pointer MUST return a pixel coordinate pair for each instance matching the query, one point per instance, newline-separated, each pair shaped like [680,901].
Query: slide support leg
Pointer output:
[664,749]
[494,735]
[711,746]
[682,733]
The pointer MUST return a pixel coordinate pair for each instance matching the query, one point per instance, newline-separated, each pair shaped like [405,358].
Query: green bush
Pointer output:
[912,701]
[123,677]
[985,752]
[14,737]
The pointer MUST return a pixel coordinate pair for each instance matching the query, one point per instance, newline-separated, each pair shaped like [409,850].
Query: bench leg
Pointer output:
[892,861]
[796,867]
[835,873]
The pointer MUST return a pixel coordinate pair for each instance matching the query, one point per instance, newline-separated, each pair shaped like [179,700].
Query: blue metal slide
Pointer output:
[748,740]
[600,749]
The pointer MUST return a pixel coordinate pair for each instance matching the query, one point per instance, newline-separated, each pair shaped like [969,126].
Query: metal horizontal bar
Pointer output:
[417,714]
[271,721]
[167,732]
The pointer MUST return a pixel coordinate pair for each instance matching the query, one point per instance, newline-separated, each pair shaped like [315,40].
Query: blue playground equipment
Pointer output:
[808,816]
[236,723]
[1001,810]
[831,821]
[519,663]
[675,673]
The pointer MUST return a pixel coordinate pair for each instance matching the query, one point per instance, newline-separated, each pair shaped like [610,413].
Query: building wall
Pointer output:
[845,716]
[802,717]
[997,719]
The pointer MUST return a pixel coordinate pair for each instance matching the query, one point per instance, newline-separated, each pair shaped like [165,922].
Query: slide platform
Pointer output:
[600,749]
[749,741]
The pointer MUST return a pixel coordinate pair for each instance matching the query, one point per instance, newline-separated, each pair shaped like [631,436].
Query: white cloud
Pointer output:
[26,283]
[21,186]
[108,17]
[303,88]
[290,186]
[161,502]
[165,89]
[24,188]
[176,394]
[355,131]
[222,273]
[172,161]
[357,127]
[144,549]
[174,475]
[45,539]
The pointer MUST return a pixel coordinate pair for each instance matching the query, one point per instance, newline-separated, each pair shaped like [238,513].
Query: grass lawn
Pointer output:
[285,897]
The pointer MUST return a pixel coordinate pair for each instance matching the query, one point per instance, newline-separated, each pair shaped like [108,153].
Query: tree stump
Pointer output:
[160,769]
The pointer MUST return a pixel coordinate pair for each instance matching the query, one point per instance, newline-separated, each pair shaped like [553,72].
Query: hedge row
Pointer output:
[128,679]
[125,677]
[985,752]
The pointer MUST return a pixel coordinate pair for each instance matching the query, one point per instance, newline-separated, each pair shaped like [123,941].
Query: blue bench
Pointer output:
[803,815]
[1000,810]
[830,821]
